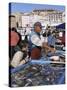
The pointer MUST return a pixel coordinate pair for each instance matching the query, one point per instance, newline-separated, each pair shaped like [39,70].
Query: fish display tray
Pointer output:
[36,73]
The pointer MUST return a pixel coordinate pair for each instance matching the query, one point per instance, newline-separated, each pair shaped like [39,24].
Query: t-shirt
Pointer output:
[13,38]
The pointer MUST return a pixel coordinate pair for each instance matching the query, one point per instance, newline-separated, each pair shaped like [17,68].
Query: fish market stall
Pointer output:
[40,72]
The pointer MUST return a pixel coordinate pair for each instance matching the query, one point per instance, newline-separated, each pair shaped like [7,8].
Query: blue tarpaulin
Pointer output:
[61,26]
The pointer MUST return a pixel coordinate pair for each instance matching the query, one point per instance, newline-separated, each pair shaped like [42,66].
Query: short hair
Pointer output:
[38,24]
[13,29]
[23,44]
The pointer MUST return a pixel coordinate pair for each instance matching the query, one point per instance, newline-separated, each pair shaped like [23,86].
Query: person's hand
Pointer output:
[22,62]
[53,50]
[44,45]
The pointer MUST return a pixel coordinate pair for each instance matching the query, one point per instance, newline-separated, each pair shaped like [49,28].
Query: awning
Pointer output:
[61,26]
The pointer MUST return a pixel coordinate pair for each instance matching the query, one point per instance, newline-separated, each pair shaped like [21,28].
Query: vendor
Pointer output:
[36,42]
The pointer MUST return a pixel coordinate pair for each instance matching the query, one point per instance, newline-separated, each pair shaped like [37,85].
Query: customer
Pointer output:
[14,40]
[21,56]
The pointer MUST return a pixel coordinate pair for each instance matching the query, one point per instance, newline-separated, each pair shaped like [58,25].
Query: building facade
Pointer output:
[46,17]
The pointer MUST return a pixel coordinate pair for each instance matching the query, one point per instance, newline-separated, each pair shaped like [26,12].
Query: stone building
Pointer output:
[46,17]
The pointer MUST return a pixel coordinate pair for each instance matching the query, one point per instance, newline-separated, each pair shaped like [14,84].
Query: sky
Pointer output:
[27,7]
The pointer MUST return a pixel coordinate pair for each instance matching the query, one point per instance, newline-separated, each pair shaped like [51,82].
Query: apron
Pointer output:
[35,51]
